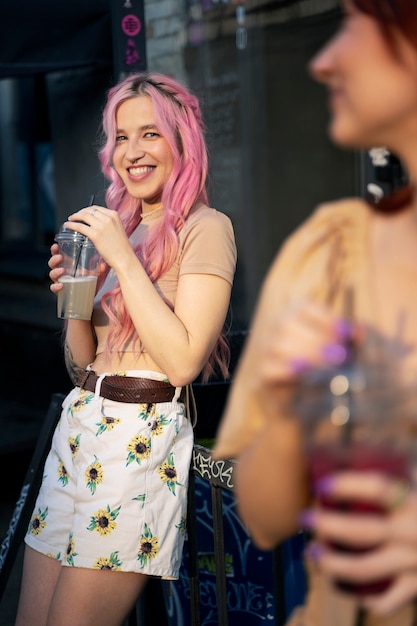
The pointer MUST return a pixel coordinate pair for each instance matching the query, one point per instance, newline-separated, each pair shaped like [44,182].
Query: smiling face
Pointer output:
[142,156]
[372,90]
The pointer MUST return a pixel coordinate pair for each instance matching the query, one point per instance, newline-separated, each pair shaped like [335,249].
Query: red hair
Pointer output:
[392,14]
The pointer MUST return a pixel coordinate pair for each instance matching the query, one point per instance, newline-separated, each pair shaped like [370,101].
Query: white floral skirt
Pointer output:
[114,489]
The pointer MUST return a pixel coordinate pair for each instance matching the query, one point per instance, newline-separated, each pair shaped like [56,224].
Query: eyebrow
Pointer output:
[145,127]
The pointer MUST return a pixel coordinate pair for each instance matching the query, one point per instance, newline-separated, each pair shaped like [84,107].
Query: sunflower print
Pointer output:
[62,474]
[74,444]
[177,426]
[112,562]
[94,475]
[148,547]
[103,521]
[37,523]
[139,449]
[141,498]
[106,424]
[146,410]
[156,421]
[56,557]
[182,526]
[168,473]
[83,399]
[70,553]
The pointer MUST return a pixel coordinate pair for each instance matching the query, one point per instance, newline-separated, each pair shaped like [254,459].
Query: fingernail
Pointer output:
[344,330]
[314,551]
[307,519]
[323,486]
[335,353]
[299,366]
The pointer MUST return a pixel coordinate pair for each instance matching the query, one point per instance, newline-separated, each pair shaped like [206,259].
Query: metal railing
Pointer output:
[219,475]
[26,500]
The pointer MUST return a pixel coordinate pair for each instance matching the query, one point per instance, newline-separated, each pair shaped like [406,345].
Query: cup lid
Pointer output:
[72,235]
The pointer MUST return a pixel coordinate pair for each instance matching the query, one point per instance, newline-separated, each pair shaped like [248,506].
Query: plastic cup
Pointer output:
[81,263]
[357,418]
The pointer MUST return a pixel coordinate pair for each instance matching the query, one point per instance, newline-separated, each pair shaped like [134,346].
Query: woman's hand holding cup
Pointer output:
[393,535]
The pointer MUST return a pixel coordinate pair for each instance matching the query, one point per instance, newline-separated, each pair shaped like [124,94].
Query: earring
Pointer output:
[376,192]
[379,156]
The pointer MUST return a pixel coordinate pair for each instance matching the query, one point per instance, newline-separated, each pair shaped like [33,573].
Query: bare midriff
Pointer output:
[122,361]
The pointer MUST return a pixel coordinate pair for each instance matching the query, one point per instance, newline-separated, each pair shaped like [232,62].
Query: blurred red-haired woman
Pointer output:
[370,70]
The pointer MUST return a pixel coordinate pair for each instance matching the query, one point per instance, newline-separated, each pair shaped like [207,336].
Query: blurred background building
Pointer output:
[271,160]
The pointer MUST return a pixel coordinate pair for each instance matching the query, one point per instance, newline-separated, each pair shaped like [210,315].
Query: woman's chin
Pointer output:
[347,138]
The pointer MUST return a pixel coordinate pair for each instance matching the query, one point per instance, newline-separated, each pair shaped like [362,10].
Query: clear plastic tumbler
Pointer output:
[81,264]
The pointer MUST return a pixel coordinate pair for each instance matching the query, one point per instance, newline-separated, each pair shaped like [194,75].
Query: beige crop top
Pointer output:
[206,246]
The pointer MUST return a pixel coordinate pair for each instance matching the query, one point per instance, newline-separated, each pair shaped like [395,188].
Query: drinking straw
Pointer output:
[80,247]
[347,429]
[360,617]
[348,308]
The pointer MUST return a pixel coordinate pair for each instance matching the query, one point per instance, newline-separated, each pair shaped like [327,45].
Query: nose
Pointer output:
[321,65]
[134,151]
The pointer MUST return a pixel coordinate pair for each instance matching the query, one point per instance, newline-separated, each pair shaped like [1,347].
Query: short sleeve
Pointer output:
[207,245]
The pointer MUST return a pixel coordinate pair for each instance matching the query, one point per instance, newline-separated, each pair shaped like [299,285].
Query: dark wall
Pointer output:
[34,364]
[47,35]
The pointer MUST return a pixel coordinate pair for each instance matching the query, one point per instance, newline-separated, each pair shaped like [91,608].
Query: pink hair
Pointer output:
[178,118]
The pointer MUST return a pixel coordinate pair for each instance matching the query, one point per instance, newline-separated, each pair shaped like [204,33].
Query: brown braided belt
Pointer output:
[129,389]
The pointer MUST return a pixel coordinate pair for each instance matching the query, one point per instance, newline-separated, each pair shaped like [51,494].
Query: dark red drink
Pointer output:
[326,460]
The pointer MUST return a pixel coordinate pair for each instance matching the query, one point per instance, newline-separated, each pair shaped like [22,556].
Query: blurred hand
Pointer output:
[393,536]
[307,335]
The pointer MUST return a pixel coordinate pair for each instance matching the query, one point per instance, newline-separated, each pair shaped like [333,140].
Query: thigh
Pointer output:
[87,597]
[39,578]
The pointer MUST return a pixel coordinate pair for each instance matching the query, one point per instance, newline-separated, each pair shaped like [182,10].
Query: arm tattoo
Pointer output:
[73,369]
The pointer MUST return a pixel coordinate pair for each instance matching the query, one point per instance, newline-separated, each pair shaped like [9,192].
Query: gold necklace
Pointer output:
[149,213]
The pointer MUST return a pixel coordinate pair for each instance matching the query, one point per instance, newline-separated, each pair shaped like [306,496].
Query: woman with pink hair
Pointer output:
[111,510]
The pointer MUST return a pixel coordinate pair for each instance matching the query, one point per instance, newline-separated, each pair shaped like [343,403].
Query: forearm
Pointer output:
[270,483]
[73,369]
[79,348]
[179,341]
